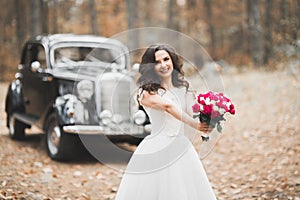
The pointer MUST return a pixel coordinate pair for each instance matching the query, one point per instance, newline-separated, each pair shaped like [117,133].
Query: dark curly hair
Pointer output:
[149,80]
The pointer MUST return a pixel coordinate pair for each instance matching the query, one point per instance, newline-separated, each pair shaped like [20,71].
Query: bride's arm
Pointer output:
[190,100]
[157,102]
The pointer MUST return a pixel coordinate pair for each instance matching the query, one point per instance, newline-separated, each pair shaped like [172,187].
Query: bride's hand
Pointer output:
[204,127]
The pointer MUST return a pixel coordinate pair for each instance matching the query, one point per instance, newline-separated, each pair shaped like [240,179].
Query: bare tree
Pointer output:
[283,9]
[283,13]
[44,16]
[255,40]
[20,23]
[268,32]
[147,14]
[171,15]
[209,16]
[191,14]
[296,20]
[93,17]
[132,22]
[54,19]
[34,17]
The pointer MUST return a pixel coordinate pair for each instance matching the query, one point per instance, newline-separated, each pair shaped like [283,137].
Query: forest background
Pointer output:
[251,33]
[258,154]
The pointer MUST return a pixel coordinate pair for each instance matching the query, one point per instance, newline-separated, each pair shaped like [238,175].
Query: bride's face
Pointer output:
[164,64]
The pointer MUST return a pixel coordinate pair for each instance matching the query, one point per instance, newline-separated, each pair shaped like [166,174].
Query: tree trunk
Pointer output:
[209,16]
[34,17]
[171,15]
[283,9]
[132,22]
[255,40]
[268,32]
[296,28]
[191,15]
[20,24]
[283,20]
[44,16]
[54,20]
[93,17]
[148,8]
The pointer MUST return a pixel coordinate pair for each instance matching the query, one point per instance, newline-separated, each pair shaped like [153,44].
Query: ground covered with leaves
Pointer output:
[256,157]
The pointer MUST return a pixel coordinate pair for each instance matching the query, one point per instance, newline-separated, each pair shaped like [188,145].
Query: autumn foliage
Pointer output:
[247,32]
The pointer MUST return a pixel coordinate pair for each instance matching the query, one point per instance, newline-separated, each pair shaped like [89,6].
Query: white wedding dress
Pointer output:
[165,165]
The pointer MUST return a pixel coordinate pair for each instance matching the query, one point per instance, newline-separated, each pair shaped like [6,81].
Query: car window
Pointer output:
[41,56]
[27,59]
[35,52]
[87,54]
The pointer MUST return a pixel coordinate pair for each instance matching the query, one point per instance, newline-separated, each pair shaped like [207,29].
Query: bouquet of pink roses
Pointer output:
[211,108]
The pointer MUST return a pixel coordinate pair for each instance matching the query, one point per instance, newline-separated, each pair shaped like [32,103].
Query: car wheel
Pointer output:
[57,143]
[16,128]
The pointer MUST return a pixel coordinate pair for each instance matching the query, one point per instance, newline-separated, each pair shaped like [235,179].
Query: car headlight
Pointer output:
[105,117]
[85,90]
[139,117]
[148,128]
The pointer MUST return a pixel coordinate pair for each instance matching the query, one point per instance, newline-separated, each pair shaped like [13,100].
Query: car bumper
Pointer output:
[96,130]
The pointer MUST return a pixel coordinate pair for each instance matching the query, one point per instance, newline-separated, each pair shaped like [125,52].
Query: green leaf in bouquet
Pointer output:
[219,128]
[195,116]
[204,118]
[213,123]
[222,118]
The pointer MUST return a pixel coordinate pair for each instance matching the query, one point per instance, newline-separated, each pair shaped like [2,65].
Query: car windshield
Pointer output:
[94,56]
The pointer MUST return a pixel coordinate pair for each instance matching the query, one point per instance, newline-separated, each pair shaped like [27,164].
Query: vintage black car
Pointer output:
[74,85]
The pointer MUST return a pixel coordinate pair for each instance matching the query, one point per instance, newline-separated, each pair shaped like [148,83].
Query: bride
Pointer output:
[165,166]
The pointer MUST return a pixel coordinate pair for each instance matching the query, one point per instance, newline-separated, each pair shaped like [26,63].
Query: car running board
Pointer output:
[27,119]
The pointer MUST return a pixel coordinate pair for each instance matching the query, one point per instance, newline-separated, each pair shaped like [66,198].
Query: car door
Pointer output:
[37,82]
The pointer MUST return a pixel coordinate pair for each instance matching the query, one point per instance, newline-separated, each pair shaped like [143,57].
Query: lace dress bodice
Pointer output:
[162,122]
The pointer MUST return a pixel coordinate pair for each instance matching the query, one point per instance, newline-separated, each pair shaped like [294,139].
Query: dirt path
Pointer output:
[257,156]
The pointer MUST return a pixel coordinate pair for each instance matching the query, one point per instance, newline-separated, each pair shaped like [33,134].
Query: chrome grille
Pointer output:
[114,94]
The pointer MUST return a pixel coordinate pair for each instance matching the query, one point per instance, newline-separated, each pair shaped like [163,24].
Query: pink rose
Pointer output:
[207,95]
[221,105]
[214,97]
[207,109]
[196,108]
[232,111]
[202,102]
[225,99]
[199,96]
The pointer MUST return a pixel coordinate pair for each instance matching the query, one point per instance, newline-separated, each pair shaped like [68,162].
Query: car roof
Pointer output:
[52,39]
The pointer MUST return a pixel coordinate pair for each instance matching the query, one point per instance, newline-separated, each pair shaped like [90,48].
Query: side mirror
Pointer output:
[36,66]
[20,66]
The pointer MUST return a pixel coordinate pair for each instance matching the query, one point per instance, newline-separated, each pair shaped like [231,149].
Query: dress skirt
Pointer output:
[165,168]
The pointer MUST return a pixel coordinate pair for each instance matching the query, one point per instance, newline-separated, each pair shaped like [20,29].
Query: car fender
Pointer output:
[56,109]
[14,99]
